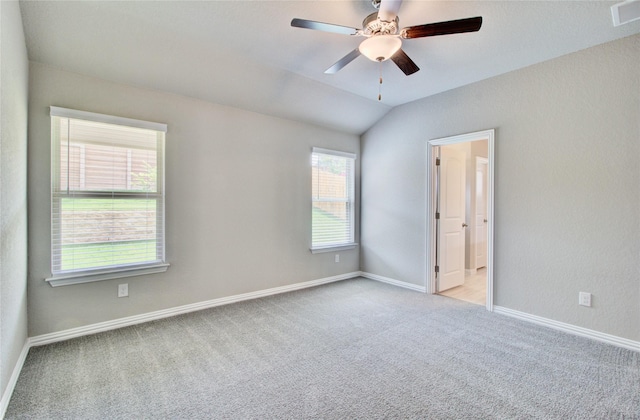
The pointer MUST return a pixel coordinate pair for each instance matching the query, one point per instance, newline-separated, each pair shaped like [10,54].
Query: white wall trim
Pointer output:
[571,329]
[394,282]
[13,380]
[178,310]
[56,111]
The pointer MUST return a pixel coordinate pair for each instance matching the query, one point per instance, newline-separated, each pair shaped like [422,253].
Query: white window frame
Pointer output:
[351,244]
[63,278]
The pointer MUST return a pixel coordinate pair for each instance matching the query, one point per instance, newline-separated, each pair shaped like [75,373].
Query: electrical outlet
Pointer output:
[123,290]
[584,299]
[337,259]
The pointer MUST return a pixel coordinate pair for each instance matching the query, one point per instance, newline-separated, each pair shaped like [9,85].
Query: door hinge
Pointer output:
[437,269]
[437,161]
[437,216]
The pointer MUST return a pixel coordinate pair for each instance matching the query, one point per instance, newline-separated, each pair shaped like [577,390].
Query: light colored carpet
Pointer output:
[353,349]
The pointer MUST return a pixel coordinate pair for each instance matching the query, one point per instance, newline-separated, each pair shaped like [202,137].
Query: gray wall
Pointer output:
[567,174]
[14,77]
[238,202]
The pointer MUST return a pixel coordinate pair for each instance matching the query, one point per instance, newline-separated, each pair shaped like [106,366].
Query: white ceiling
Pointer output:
[245,53]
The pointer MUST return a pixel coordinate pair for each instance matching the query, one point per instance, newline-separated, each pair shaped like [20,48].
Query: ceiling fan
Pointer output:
[384,38]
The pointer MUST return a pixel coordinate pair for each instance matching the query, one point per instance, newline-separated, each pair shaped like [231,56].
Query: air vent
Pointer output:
[625,12]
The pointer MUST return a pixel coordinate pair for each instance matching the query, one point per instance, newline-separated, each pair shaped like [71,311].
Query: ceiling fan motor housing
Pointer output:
[372,26]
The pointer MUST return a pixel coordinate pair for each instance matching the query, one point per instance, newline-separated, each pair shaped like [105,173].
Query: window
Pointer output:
[107,197]
[333,200]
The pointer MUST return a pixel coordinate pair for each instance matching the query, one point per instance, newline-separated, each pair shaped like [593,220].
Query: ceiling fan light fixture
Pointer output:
[380,47]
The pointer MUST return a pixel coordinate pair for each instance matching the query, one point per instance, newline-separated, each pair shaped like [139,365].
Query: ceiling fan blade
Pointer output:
[389,10]
[343,62]
[320,26]
[443,28]
[405,64]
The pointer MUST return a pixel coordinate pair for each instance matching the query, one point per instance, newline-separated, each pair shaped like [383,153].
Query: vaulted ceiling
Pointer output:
[245,53]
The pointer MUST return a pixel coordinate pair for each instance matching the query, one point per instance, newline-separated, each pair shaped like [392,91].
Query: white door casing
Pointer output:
[451,237]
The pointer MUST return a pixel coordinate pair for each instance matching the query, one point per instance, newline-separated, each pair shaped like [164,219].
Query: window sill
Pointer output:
[333,248]
[116,273]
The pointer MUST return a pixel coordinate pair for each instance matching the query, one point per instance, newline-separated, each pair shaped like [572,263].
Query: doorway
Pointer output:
[460,217]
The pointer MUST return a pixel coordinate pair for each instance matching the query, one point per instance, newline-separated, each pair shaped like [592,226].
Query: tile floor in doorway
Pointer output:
[473,290]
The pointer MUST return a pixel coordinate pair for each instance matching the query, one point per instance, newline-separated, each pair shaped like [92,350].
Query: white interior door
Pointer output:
[451,236]
[481,212]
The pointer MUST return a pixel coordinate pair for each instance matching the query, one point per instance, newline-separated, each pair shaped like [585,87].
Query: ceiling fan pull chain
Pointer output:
[380,84]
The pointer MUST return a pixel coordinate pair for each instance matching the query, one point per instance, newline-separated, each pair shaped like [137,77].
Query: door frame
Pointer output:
[430,238]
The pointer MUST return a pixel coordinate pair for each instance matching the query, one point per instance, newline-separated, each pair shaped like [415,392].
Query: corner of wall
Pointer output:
[14,81]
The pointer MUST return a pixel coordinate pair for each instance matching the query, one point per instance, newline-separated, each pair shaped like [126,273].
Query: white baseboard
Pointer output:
[6,395]
[165,313]
[571,329]
[394,282]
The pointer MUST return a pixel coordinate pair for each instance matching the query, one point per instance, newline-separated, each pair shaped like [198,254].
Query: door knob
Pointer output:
[485,220]
[464,225]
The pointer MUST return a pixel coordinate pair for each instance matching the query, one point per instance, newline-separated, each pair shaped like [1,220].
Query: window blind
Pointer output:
[333,198]
[107,192]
